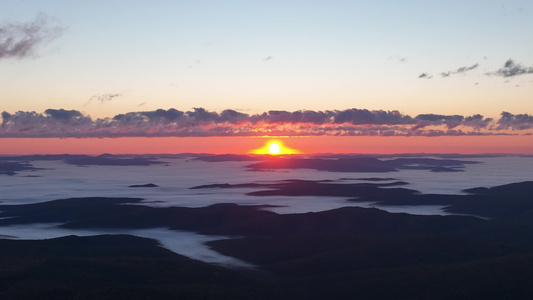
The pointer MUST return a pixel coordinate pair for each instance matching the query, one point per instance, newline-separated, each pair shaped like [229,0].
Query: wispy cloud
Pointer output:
[103,98]
[398,58]
[460,70]
[20,40]
[425,76]
[511,69]
[201,122]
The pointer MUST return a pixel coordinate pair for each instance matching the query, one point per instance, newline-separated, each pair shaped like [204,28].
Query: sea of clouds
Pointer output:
[58,180]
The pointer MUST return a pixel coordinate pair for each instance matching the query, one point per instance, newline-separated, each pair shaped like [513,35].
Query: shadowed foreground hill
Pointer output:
[291,267]
[114,267]
[415,267]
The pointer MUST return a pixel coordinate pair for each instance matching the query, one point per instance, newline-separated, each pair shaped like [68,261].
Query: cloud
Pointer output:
[460,70]
[398,58]
[465,69]
[268,58]
[425,75]
[20,40]
[103,98]
[476,122]
[53,122]
[63,115]
[435,119]
[515,122]
[364,116]
[511,69]
[232,116]
[201,122]
[439,118]
[281,117]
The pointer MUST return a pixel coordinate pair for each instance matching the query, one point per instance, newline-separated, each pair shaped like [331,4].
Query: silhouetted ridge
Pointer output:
[12,167]
[148,185]
[230,157]
[360,164]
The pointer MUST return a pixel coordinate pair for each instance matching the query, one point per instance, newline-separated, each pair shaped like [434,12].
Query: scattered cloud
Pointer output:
[103,98]
[398,58]
[201,122]
[511,69]
[460,70]
[20,40]
[464,69]
[425,75]
[268,58]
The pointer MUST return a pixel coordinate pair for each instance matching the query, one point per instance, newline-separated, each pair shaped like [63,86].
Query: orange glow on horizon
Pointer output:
[274,147]
[241,145]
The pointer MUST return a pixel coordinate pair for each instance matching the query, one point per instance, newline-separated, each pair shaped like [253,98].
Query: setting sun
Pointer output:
[274,147]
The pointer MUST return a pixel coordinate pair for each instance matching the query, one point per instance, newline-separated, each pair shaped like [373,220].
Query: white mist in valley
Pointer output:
[189,244]
[58,180]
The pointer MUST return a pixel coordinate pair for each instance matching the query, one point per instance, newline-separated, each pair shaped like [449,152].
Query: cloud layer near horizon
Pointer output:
[200,122]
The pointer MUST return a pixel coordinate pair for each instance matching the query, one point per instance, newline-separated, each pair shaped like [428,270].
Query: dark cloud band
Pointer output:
[201,122]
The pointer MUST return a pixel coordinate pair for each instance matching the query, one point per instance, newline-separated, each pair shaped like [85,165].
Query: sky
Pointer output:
[314,69]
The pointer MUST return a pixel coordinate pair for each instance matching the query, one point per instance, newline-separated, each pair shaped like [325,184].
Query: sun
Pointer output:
[274,147]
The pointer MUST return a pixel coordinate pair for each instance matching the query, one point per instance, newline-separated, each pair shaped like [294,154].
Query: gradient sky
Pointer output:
[104,58]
